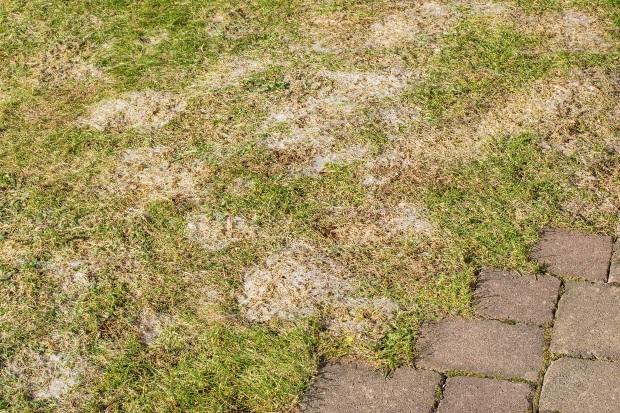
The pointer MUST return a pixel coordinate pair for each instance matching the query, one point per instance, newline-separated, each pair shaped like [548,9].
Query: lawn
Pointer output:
[202,201]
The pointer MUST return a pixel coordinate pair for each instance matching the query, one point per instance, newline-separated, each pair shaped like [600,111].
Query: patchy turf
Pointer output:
[201,201]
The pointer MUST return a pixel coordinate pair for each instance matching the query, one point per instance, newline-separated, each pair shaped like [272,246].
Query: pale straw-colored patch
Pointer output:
[342,157]
[318,123]
[217,232]
[228,72]
[152,172]
[372,224]
[574,111]
[64,63]
[299,281]
[422,22]
[146,110]
[47,376]
[150,325]
[571,30]
[73,275]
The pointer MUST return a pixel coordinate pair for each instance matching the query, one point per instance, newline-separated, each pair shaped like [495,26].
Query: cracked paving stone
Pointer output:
[477,395]
[588,322]
[481,346]
[573,254]
[507,295]
[351,388]
[581,386]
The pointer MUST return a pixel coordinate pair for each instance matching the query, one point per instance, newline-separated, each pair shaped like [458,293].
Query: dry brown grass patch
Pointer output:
[229,72]
[48,376]
[152,172]
[422,22]
[311,131]
[64,62]
[299,281]
[378,223]
[217,232]
[73,275]
[572,30]
[145,111]
[150,325]
[570,109]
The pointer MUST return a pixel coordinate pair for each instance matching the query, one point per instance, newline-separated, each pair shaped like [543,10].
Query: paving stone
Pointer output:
[350,388]
[581,386]
[614,268]
[476,395]
[588,321]
[575,254]
[481,346]
[507,295]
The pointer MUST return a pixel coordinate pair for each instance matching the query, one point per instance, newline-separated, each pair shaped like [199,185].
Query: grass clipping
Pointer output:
[300,282]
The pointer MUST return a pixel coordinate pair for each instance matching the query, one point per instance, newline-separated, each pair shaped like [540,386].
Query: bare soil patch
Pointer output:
[145,111]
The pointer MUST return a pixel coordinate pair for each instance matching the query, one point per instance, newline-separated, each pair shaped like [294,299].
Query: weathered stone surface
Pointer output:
[574,254]
[581,386]
[349,388]
[614,268]
[588,322]
[507,295]
[476,395]
[481,346]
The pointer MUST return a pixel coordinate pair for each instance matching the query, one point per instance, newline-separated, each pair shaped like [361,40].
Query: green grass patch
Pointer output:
[212,369]
[477,64]
[495,207]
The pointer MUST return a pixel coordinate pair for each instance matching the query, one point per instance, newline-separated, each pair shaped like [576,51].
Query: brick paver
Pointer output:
[476,395]
[588,321]
[349,388]
[581,386]
[575,254]
[481,346]
[507,342]
[507,295]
